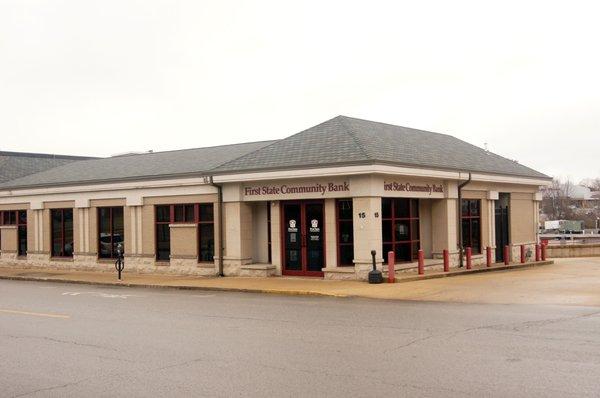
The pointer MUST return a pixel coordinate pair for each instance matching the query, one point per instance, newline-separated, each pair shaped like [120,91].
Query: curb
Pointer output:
[274,291]
[177,287]
[503,267]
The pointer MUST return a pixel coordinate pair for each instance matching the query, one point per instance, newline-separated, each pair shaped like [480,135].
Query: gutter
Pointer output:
[220,224]
[459,218]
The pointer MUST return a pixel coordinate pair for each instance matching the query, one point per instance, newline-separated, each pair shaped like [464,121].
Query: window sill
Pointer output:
[66,259]
[340,270]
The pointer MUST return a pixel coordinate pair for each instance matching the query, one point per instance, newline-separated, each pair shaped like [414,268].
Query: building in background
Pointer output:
[312,204]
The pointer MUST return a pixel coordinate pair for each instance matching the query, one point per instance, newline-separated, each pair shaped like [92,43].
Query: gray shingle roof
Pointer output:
[139,166]
[19,164]
[339,141]
[346,140]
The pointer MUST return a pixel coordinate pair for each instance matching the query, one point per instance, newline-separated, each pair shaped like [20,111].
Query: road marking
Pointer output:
[35,314]
[104,295]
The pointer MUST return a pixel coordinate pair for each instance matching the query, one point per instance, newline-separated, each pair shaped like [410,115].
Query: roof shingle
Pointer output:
[338,141]
[15,165]
[344,140]
[139,166]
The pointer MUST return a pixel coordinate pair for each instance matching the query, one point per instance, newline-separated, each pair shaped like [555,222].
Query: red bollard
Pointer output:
[488,260]
[538,252]
[446,261]
[469,253]
[391,267]
[522,254]
[421,262]
[506,255]
[543,252]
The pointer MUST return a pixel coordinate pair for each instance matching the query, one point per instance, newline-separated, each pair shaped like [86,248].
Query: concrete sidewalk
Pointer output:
[411,286]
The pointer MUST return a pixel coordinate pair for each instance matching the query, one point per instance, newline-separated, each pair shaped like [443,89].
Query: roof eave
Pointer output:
[370,162]
[257,170]
[106,181]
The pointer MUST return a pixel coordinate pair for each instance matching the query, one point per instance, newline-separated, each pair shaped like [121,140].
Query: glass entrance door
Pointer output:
[293,237]
[304,250]
[314,241]
[502,213]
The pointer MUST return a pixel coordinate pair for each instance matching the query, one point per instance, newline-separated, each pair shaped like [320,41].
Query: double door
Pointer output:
[303,246]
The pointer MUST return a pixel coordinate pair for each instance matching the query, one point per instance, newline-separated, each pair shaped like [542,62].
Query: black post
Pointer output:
[120,263]
[375,276]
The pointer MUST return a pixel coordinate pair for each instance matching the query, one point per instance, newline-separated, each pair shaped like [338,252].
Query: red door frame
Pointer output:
[303,251]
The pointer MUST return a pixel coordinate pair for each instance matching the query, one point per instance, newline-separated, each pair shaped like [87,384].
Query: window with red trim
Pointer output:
[18,218]
[270,258]
[471,224]
[111,231]
[400,228]
[61,225]
[8,217]
[345,232]
[201,214]
[22,232]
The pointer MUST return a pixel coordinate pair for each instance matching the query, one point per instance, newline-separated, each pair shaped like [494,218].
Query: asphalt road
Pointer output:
[76,340]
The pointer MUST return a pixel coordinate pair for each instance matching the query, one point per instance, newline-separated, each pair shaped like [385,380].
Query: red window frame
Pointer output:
[21,230]
[12,217]
[158,223]
[413,215]
[469,216]
[269,245]
[174,218]
[201,222]
[111,226]
[62,232]
[8,217]
[338,222]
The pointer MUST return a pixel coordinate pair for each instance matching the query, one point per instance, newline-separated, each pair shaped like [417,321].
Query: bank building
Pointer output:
[313,204]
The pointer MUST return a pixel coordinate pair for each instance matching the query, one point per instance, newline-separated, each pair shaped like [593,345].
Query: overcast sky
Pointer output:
[106,77]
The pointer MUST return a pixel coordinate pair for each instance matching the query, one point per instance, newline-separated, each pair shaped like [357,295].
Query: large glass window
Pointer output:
[471,224]
[345,232]
[269,232]
[8,217]
[163,237]
[400,228]
[206,232]
[200,214]
[22,232]
[18,218]
[61,221]
[110,231]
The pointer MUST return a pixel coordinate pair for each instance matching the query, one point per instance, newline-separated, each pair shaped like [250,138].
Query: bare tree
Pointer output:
[591,183]
[556,202]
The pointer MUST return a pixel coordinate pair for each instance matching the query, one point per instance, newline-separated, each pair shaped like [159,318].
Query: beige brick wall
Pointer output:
[14,206]
[31,229]
[367,234]
[444,226]
[259,233]
[331,259]
[46,233]
[425,224]
[276,249]
[149,233]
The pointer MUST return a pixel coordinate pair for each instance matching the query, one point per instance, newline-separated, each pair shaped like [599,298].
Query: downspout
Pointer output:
[459,216]
[220,224]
